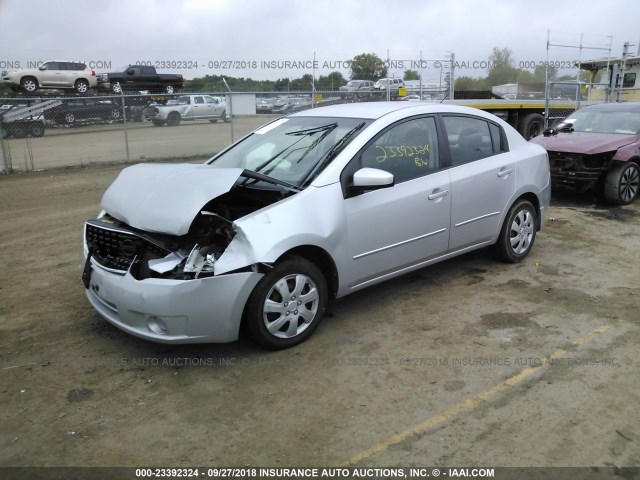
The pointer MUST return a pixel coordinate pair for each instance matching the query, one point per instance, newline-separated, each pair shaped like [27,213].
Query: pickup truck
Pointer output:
[140,77]
[187,107]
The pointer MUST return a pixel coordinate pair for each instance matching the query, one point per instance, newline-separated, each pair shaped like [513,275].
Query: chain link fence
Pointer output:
[46,132]
[58,131]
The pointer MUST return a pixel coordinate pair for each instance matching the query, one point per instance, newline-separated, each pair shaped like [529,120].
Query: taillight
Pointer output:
[93,72]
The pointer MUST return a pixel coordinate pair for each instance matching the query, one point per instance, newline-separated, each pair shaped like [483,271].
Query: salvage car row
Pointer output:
[77,76]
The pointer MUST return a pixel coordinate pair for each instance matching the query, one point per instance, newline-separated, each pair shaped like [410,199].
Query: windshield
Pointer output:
[294,149]
[604,121]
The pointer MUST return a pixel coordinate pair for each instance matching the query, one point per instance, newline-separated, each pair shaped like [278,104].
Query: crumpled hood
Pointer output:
[165,198]
[584,142]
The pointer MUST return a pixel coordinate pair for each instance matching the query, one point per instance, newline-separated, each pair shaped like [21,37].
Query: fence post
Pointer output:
[124,120]
[230,106]
[5,154]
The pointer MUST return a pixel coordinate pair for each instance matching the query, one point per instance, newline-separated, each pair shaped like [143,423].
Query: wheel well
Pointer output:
[321,259]
[531,197]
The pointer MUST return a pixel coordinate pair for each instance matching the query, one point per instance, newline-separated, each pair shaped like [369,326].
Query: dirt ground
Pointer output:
[467,363]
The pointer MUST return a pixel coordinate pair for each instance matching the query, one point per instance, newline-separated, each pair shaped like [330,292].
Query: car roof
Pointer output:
[615,106]
[375,110]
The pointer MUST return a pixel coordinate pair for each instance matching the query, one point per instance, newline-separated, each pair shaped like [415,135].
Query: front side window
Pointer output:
[293,150]
[469,139]
[407,150]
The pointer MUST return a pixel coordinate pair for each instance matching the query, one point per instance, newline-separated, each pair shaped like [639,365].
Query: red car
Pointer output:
[596,148]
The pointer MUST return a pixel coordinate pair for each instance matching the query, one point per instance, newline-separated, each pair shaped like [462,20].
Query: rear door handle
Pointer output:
[436,195]
[505,171]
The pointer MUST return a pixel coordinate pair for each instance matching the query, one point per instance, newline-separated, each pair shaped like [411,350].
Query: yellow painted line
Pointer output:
[471,403]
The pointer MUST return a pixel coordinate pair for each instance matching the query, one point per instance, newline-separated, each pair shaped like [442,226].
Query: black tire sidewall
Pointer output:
[253,317]
[612,183]
[502,248]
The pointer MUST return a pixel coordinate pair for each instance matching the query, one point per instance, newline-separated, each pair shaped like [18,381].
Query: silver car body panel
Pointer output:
[370,237]
[165,198]
[204,310]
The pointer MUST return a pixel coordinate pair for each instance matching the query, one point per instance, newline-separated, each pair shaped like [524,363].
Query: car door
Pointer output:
[50,75]
[394,228]
[212,106]
[198,108]
[483,179]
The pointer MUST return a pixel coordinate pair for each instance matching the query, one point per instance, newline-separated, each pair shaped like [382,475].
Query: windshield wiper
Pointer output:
[250,174]
[334,151]
[311,131]
[308,131]
[562,127]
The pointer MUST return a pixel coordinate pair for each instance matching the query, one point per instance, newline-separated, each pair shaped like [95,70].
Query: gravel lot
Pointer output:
[466,363]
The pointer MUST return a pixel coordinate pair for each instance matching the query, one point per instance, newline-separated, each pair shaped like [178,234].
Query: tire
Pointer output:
[621,184]
[518,233]
[114,114]
[116,88]
[81,86]
[173,119]
[226,117]
[29,84]
[69,118]
[169,89]
[287,305]
[531,126]
[157,123]
[37,129]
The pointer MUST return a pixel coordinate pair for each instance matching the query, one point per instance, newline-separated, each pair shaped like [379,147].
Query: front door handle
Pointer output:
[505,171]
[436,195]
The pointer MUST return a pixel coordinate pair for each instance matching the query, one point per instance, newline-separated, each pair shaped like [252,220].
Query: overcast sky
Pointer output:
[249,37]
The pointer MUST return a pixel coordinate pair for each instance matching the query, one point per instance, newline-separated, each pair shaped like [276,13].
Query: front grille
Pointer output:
[116,249]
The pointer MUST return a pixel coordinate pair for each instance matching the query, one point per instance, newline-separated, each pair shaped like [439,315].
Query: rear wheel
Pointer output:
[173,119]
[532,125]
[169,89]
[69,118]
[518,233]
[622,182]
[82,86]
[114,114]
[37,129]
[287,305]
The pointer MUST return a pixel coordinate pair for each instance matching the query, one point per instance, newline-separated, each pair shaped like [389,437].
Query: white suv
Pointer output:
[394,84]
[75,75]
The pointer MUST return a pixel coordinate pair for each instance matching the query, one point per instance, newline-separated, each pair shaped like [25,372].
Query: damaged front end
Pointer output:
[160,280]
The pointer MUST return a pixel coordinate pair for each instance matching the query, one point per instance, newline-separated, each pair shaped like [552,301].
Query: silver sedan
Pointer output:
[308,208]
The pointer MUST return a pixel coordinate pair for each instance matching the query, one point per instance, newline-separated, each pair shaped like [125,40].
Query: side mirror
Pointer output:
[372,179]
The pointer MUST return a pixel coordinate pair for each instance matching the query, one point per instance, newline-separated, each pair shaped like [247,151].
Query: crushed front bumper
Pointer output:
[207,310]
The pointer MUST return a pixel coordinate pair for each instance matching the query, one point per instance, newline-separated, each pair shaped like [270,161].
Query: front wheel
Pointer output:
[287,305]
[169,89]
[29,84]
[116,88]
[518,233]
[621,184]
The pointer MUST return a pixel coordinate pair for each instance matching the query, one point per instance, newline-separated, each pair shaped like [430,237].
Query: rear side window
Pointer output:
[472,138]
